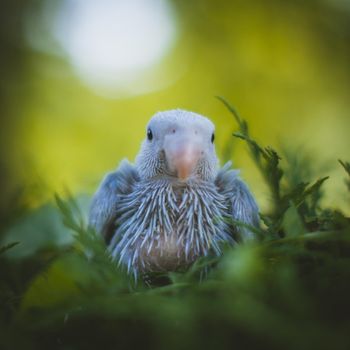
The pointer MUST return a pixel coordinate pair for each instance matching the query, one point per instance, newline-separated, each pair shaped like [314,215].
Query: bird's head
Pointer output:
[178,144]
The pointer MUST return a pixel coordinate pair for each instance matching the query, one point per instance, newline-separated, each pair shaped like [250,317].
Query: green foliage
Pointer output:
[91,249]
[289,289]
[295,205]
[266,159]
[346,166]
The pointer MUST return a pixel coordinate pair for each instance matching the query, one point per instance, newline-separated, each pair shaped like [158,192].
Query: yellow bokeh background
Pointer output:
[284,65]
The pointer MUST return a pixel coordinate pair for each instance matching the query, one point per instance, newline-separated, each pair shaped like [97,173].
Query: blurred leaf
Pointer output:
[37,229]
[7,247]
[346,166]
[292,222]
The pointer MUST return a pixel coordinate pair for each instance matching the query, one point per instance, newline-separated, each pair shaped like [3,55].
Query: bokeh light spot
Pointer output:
[111,43]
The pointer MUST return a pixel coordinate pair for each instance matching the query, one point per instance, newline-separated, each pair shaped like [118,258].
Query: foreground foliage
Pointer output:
[289,289]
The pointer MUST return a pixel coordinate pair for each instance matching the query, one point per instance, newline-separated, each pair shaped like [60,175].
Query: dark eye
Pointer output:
[149,135]
[212,138]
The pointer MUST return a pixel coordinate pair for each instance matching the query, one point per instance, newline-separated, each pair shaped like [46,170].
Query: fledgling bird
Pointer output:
[171,206]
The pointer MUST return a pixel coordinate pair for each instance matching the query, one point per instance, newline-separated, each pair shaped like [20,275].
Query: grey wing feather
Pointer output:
[241,203]
[102,215]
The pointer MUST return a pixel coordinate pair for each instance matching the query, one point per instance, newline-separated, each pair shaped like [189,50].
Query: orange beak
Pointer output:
[182,157]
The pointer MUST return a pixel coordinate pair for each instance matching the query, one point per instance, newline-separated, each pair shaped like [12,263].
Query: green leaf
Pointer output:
[7,247]
[346,166]
[266,159]
[292,222]
[241,122]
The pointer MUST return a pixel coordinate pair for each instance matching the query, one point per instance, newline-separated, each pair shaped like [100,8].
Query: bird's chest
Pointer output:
[163,253]
[167,228]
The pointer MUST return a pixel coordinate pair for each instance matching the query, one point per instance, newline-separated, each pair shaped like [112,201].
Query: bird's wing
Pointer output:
[103,207]
[241,203]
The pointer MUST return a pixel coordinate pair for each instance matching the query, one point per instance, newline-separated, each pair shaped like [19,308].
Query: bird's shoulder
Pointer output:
[241,202]
[114,185]
[226,179]
[123,179]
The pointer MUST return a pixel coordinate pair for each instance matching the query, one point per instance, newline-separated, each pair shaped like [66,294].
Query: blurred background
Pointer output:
[81,78]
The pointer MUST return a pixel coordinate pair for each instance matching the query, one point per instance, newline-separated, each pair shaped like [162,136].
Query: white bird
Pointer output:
[174,204]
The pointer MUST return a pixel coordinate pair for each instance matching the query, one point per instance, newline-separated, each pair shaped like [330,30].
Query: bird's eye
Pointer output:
[212,138]
[149,135]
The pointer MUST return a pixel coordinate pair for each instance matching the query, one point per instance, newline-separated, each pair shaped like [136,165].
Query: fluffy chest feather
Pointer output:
[164,225]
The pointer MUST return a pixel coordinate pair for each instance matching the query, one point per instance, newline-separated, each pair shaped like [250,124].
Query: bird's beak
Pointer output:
[182,157]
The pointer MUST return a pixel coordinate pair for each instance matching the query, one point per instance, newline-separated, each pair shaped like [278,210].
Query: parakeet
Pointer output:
[174,204]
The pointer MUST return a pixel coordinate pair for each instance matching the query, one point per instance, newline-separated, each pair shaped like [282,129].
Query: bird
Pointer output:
[174,204]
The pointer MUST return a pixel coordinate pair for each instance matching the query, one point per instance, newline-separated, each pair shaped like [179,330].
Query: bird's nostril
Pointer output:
[174,131]
[202,152]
